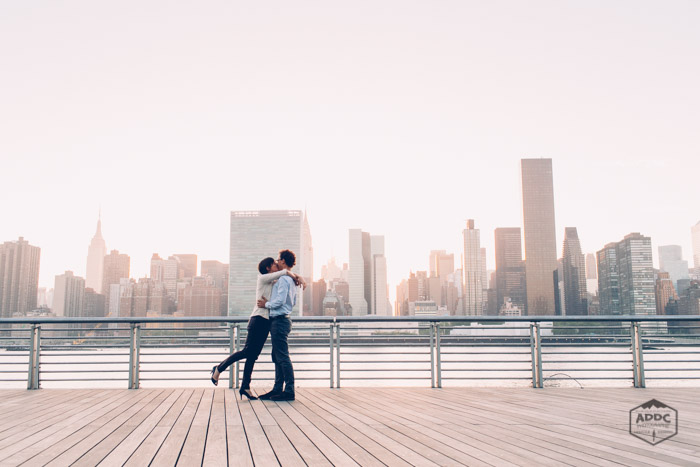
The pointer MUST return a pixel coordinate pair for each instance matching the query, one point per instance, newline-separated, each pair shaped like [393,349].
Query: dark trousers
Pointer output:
[284,372]
[258,329]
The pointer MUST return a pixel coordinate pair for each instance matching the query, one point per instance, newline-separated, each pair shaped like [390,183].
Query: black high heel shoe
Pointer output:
[214,381]
[244,392]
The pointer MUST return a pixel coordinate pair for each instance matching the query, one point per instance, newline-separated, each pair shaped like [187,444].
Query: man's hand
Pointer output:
[262,302]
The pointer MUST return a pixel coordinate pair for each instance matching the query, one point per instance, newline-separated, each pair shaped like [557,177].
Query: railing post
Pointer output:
[331,334]
[438,357]
[230,348]
[432,354]
[134,355]
[637,355]
[34,353]
[337,355]
[536,352]
[236,349]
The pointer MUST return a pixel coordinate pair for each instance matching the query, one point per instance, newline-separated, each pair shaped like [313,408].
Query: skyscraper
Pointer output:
[671,261]
[188,265]
[96,260]
[608,281]
[634,258]
[664,292]
[259,234]
[635,273]
[695,234]
[473,271]
[116,267]
[367,275]
[591,267]
[540,235]
[168,271]
[69,295]
[574,275]
[510,268]
[19,277]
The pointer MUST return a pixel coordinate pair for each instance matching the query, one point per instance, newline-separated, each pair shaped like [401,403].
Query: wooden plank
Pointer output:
[360,446]
[98,452]
[98,430]
[237,442]
[304,448]
[396,436]
[64,431]
[193,449]
[122,452]
[260,447]
[215,451]
[421,432]
[38,408]
[117,407]
[170,449]
[150,446]
[36,429]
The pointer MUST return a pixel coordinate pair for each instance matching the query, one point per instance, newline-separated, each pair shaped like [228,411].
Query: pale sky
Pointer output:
[402,118]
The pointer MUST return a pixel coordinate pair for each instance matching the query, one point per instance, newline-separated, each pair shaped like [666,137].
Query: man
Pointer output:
[283,299]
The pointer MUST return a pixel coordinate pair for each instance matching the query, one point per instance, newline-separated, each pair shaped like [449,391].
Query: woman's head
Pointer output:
[267,265]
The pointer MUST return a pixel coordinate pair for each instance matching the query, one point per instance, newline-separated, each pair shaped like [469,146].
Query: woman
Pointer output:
[258,326]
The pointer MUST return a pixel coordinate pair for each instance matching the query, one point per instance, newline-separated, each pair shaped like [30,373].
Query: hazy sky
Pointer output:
[402,118]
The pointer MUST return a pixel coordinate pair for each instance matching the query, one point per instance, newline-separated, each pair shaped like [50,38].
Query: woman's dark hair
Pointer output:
[288,257]
[265,264]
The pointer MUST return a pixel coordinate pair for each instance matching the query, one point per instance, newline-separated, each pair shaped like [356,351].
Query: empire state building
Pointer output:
[96,259]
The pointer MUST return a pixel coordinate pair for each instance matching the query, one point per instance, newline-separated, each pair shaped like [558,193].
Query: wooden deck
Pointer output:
[354,426]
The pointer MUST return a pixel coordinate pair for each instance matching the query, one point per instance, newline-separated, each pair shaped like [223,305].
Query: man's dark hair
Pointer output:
[288,257]
[264,264]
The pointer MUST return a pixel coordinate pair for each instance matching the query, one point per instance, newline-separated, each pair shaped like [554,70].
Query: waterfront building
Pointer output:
[510,269]
[695,236]
[168,271]
[93,304]
[19,277]
[367,274]
[540,235]
[473,271]
[116,268]
[188,265]
[574,275]
[96,260]
[69,295]
[259,234]
[664,292]
[671,261]
[636,271]
[608,281]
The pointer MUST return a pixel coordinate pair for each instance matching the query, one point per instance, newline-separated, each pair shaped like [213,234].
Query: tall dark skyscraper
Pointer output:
[574,269]
[608,281]
[540,235]
[510,268]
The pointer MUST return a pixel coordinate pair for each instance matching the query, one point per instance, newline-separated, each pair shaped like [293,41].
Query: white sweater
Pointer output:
[264,288]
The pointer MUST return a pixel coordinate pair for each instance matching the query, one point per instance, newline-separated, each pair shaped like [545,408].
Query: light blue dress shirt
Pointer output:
[284,297]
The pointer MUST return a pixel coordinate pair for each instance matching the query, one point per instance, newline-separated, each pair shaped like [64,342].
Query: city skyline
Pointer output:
[404,134]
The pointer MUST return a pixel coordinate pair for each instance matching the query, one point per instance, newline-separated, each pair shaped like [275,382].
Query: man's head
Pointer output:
[287,259]
[268,265]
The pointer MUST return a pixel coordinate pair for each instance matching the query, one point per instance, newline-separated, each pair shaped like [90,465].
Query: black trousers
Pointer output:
[258,330]
[284,371]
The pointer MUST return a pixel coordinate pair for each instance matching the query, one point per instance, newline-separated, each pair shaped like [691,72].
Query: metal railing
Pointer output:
[356,350]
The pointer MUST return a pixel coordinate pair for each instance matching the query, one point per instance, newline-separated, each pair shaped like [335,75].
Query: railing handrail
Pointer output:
[350,319]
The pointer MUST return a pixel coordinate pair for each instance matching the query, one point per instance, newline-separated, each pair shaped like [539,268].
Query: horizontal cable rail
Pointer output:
[541,350]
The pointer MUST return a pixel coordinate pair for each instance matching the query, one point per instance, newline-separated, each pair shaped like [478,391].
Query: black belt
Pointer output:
[278,316]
